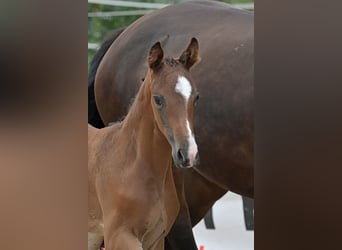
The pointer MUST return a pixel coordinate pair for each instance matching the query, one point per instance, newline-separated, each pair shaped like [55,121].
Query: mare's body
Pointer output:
[132,195]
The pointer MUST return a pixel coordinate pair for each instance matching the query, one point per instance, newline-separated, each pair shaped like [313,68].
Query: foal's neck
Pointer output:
[151,144]
[141,110]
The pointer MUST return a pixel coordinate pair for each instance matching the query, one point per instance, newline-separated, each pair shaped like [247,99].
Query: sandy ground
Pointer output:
[230,232]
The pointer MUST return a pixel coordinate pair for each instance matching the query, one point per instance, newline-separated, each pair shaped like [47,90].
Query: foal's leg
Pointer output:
[123,241]
[94,241]
[181,236]
[159,245]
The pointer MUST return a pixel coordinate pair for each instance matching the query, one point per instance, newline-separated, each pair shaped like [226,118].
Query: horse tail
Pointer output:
[93,114]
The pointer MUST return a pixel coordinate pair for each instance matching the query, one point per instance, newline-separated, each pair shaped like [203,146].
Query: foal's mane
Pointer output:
[171,62]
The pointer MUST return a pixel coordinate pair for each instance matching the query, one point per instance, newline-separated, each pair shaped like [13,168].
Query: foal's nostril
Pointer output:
[180,155]
[182,158]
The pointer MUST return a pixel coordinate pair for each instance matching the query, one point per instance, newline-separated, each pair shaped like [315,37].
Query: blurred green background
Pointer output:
[104,18]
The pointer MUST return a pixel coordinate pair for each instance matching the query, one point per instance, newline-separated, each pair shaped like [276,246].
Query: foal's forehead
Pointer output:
[174,78]
[183,87]
[179,83]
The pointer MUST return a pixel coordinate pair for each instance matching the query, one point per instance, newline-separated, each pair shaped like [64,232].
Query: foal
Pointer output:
[132,200]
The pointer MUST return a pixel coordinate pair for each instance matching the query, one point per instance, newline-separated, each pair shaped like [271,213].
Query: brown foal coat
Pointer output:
[132,196]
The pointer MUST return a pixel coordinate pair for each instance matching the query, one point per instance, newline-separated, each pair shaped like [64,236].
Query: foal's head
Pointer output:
[173,97]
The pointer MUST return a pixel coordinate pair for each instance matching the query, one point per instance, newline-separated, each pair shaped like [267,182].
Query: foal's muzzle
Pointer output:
[184,159]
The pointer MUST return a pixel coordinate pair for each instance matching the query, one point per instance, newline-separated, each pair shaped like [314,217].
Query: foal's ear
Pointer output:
[190,56]
[156,56]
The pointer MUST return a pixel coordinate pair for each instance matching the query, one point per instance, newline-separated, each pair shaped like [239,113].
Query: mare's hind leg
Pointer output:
[94,241]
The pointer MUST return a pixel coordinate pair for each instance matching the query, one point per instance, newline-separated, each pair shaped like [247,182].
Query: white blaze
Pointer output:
[192,145]
[183,87]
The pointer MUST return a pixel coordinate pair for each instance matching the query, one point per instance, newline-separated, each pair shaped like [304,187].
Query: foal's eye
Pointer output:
[158,100]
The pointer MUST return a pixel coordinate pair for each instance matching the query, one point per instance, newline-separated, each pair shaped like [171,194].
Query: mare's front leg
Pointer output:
[181,236]
[200,194]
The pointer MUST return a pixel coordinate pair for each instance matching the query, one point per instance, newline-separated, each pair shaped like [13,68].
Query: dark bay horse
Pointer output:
[225,82]
[132,194]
